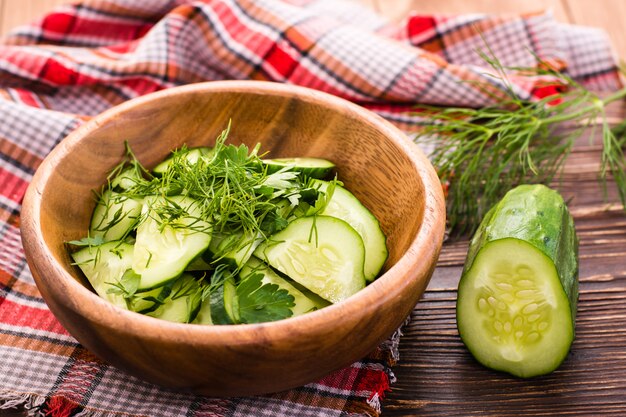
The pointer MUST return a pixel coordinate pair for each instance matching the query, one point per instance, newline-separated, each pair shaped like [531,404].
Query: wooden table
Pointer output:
[436,376]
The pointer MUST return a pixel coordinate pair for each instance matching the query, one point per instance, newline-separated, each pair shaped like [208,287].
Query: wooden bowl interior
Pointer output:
[375,162]
[373,167]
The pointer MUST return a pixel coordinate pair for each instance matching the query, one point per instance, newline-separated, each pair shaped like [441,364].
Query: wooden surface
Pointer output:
[436,376]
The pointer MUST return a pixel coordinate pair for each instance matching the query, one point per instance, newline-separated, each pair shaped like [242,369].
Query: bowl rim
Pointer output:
[427,242]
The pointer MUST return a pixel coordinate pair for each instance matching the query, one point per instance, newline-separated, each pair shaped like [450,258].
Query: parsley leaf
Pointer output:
[263,302]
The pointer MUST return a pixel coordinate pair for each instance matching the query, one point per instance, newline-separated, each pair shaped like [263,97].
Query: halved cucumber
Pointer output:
[516,303]
[322,253]
[104,266]
[170,236]
[345,206]
[114,216]
[311,167]
[302,304]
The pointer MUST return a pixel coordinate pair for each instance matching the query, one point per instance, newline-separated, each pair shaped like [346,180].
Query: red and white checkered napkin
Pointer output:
[84,58]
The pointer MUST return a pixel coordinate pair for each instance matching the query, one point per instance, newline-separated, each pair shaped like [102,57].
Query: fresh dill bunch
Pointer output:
[230,184]
[481,153]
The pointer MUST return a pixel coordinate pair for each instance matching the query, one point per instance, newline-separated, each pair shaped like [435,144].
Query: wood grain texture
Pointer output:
[438,377]
[400,8]
[374,160]
[17,12]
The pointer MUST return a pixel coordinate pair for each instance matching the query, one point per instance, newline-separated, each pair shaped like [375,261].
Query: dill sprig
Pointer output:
[230,185]
[481,153]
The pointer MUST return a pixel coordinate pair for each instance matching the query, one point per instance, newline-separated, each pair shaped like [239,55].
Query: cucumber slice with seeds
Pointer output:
[104,266]
[170,236]
[114,216]
[322,253]
[344,205]
[516,303]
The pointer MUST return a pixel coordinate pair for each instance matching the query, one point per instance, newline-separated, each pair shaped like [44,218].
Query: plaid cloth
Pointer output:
[86,57]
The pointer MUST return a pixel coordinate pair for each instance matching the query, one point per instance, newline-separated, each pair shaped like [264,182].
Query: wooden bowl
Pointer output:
[374,159]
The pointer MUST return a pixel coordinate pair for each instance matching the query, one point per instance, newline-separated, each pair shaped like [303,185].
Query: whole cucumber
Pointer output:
[517,297]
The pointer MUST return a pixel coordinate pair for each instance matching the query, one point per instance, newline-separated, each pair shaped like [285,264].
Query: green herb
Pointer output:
[222,273]
[263,302]
[480,154]
[231,185]
[88,241]
[127,285]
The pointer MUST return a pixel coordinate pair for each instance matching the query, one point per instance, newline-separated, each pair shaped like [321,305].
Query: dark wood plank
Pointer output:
[436,375]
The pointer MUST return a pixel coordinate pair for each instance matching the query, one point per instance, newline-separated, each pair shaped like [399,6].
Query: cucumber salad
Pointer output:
[222,235]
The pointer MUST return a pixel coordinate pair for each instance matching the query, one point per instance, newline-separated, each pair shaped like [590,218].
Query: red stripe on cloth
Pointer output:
[22,315]
[59,406]
[543,90]
[27,97]
[81,375]
[374,381]
[143,86]
[12,186]
[253,39]
[420,27]
[68,25]
[123,47]
[58,22]
[58,74]
[281,60]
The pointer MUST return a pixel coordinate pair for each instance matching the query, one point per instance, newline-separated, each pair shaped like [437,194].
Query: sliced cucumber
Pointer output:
[322,253]
[104,267]
[183,302]
[204,313]
[192,155]
[224,306]
[311,167]
[148,301]
[345,206]
[199,263]
[302,304]
[516,303]
[114,216]
[170,236]
[234,249]
[127,179]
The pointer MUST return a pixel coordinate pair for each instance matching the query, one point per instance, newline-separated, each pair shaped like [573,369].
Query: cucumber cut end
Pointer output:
[510,309]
